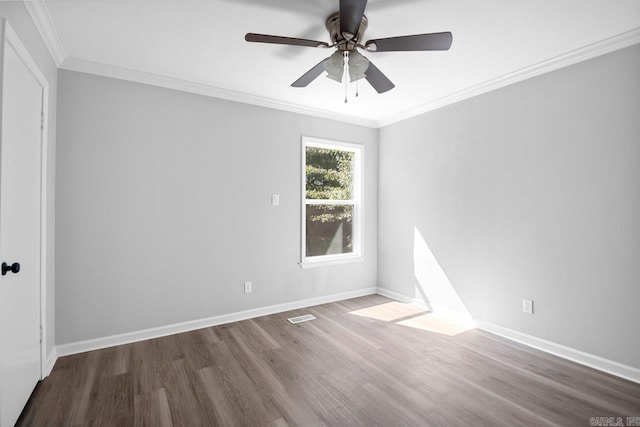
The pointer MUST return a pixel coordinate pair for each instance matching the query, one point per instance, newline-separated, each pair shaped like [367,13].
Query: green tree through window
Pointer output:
[329,191]
[329,174]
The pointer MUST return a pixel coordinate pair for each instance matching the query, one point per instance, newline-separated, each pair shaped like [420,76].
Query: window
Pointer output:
[332,201]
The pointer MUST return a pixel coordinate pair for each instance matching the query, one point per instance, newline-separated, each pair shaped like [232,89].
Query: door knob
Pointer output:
[14,268]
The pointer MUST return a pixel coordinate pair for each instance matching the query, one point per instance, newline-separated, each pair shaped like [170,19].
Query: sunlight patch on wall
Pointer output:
[434,286]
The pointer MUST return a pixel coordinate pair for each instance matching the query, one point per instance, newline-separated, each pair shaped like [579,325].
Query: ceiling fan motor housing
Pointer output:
[333,26]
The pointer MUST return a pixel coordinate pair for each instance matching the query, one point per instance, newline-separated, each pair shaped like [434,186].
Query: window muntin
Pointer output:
[332,205]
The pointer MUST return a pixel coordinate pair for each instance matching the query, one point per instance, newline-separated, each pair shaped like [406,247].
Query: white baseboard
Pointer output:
[51,361]
[600,363]
[161,331]
[393,295]
[614,368]
[452,314]
[422,304]
[596,362]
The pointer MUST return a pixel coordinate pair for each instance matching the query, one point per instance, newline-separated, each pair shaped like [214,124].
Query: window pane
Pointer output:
[329,174]
[329,229]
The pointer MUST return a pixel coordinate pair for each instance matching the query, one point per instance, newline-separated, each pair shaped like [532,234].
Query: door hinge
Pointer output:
[41,119]
[40,333]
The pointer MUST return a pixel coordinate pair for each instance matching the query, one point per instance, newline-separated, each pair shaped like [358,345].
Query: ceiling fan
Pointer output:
[346,28]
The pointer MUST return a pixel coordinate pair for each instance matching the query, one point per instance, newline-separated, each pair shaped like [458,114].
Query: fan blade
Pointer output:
[432,41]
[379,81]
[351,12]
[265,38]
[310,75]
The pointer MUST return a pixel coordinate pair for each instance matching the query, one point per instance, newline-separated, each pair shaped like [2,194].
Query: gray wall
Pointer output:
[164,207]
[16,14]
[529,191]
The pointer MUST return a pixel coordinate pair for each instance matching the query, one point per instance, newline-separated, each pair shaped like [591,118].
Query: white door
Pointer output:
[20,181]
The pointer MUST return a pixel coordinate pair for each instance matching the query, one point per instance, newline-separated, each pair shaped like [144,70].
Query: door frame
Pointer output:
[10,37]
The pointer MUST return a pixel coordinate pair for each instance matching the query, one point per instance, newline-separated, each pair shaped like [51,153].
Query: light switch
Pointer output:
[275,200]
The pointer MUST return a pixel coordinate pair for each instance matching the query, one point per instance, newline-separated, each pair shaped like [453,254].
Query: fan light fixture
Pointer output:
[335,66]
[358,65]
[346,30]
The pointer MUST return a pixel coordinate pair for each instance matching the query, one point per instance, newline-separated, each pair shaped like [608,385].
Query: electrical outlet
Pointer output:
[527,306]
[275,200]
[247,287]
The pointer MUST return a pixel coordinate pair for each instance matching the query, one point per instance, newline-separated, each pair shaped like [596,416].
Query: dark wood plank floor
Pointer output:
[342,369]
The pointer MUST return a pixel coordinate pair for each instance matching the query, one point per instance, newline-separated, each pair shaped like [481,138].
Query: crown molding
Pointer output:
[593,50]
[42,20]
[82,66]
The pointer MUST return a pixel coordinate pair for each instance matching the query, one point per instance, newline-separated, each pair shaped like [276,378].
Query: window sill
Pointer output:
[331,261]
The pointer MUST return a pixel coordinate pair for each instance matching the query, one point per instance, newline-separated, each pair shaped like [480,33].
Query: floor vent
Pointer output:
[300,319]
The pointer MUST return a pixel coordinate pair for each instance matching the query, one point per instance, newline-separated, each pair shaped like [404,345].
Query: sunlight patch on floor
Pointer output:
[389,312]
[409,315]
[438,323]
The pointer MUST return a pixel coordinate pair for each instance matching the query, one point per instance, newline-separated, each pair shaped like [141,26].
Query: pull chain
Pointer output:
[346,74]
[357,88]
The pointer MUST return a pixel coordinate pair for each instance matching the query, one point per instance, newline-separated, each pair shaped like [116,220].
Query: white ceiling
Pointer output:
[202,41]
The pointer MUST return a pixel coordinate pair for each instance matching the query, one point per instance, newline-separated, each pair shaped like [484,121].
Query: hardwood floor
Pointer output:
[363,362]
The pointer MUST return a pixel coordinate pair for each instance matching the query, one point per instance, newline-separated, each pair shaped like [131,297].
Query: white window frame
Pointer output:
[357,201]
